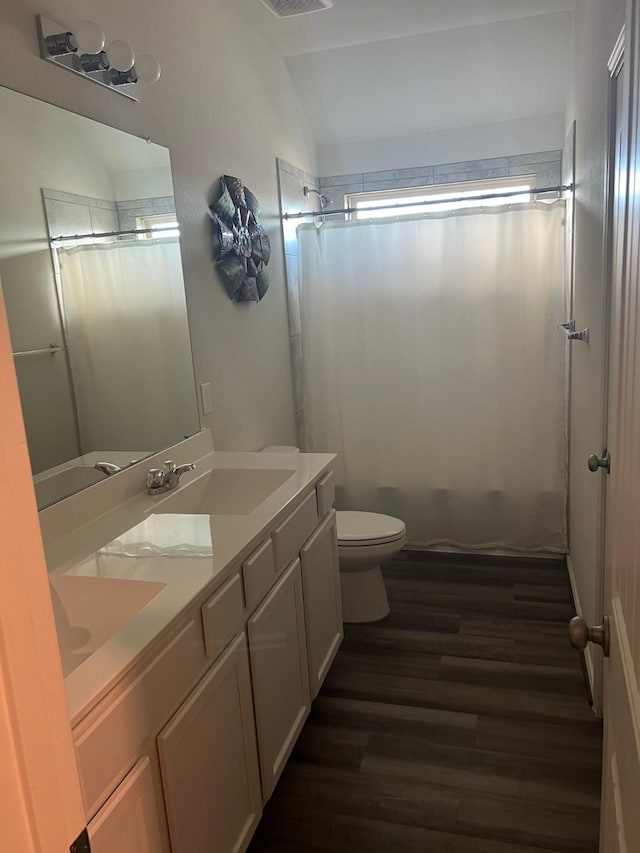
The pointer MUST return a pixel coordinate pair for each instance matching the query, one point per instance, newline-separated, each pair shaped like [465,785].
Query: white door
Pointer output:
[129,821]
[280,675]
[621,758]
[620,825]
[322,601]
[209,761]
[40,802]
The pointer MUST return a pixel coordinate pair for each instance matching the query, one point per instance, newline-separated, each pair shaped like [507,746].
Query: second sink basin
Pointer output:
[227,491]
[89,611]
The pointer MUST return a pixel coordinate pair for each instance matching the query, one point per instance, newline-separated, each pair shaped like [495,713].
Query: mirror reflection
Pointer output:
[91,275]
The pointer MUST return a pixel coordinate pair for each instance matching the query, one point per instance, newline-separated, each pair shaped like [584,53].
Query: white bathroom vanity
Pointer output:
[195,630]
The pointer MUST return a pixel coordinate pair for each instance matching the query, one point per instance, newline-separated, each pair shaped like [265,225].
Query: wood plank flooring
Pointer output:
[459,724]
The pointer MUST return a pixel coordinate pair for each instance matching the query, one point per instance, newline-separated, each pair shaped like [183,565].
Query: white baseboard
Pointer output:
[588,652]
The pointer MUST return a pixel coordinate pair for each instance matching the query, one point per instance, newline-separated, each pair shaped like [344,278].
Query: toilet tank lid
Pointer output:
[368,527]
[280,448]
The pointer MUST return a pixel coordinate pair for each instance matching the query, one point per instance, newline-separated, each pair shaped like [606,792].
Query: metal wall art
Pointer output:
[241,248]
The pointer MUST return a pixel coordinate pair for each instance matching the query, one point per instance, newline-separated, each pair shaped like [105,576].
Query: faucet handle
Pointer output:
[169,466]
[155,478]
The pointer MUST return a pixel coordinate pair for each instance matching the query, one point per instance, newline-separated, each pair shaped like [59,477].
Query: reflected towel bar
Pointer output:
[51,349]
[129,232]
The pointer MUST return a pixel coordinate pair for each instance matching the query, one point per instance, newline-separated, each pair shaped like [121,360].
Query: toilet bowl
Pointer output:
[365,541]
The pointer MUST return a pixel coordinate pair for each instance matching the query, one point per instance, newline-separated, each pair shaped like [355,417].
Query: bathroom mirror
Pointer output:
[98,323]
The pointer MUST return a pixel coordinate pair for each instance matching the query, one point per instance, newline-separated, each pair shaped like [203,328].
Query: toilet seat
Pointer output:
[357,529]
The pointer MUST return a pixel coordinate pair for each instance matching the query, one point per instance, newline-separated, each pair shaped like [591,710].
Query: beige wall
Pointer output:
[224,104]
[598,25]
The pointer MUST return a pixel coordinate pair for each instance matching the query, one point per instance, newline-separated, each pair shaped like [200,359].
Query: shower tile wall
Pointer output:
[129,211]
[545,165]
[291,183]
[69,213]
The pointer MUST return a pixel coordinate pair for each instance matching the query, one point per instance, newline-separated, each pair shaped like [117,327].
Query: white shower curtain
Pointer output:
[433,365]
[129,344]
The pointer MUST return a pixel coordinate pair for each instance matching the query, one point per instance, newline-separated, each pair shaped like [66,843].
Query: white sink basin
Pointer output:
[227,491]
[89,611]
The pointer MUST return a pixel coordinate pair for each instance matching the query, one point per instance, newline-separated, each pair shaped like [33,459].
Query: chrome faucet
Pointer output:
[164,479]
[107,468]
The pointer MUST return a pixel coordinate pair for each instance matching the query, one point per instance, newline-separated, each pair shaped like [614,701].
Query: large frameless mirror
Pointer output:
[91,276]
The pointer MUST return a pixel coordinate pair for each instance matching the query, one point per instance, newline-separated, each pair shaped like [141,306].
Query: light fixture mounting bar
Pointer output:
[48,29]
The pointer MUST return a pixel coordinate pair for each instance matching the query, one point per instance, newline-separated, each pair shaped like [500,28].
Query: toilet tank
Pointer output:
[280,448]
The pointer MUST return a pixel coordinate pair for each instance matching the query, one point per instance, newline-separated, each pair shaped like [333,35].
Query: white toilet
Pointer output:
[365,541]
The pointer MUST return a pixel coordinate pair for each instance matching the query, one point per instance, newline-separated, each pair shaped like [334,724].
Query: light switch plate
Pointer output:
[205,397]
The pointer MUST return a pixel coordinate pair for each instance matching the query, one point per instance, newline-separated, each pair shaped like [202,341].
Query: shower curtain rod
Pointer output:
[113,233]
[392,207]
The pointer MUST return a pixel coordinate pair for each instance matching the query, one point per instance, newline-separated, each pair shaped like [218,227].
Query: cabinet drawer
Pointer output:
[106,742]
[129,821]
[326,492]
[222,616]
[294,532]
[259,573]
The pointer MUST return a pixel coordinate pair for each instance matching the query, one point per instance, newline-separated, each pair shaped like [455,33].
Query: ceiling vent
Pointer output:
[288,8]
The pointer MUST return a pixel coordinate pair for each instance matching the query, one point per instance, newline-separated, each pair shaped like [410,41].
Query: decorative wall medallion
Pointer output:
[241,247]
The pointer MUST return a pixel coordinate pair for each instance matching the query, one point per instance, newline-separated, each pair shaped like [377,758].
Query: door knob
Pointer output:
[580,634]
[595,462]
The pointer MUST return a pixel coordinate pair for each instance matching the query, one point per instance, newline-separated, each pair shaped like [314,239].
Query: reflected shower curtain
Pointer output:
[433,365]
[129,345]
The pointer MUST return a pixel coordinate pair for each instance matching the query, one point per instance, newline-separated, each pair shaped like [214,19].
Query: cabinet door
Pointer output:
[129,822]
[280,675]
[209,761]
[322,601]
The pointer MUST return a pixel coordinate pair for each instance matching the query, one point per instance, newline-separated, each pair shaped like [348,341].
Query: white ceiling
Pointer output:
[376,69]
[353,22]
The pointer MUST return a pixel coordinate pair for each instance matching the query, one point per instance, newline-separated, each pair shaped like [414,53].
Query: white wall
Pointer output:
[142,183]
[406,101]
[224,105]
[450,145]
[597,28]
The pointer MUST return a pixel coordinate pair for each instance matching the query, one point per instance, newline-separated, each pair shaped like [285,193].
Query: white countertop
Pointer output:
[184,555]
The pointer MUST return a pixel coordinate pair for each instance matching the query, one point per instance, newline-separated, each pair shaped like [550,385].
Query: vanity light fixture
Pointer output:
[82,51]
[121,55]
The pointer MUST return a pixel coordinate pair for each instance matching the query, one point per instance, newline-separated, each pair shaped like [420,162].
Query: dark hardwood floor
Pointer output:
[459,724]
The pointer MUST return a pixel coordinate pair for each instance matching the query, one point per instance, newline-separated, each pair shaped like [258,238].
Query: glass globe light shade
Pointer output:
[121,55]
[147,68]
[89,37]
